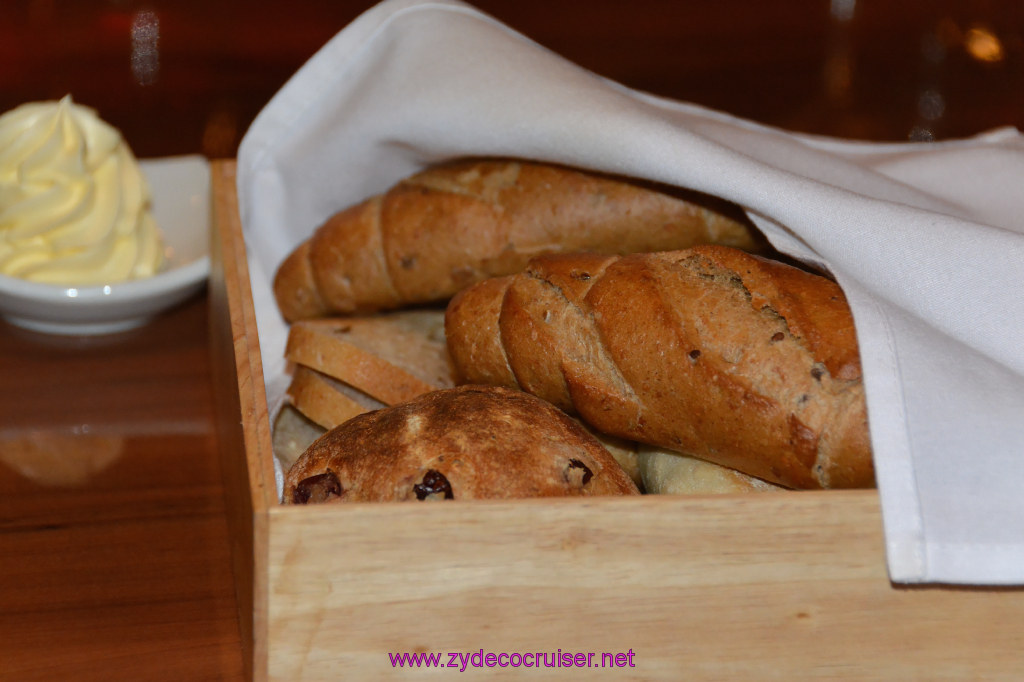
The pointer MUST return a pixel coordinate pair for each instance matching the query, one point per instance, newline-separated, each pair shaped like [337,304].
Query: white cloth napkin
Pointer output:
[927,240]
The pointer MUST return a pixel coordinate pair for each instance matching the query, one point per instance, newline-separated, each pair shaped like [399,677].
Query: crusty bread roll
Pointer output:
[462,443]
[710,351]
[318,403]
[452,225]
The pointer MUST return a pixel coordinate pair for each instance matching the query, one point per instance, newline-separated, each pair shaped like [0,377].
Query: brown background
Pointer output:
[889,71]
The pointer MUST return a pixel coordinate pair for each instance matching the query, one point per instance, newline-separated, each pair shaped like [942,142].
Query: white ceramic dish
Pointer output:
[181,206]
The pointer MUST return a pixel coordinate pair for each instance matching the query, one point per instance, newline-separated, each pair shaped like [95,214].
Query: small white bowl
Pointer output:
[181,207]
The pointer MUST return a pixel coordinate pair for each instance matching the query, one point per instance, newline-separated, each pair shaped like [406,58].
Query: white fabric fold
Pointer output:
[927,240]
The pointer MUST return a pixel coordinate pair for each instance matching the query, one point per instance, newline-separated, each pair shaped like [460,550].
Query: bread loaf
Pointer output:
[462,443]
[450,226]
[710,351]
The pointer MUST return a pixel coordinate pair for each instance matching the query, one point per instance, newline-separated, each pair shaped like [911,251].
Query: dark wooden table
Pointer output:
[114,561]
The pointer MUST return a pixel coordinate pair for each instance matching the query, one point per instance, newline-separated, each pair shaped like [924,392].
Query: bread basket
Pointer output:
[789,586]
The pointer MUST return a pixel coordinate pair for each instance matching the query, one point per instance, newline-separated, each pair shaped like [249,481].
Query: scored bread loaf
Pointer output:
[470,442]
[391,357]
[742,361]
[455,224]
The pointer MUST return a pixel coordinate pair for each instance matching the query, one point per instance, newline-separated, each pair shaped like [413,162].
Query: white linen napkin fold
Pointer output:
[926,239]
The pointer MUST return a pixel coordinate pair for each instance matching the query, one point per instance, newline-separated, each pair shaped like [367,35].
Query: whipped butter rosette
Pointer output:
[74,205]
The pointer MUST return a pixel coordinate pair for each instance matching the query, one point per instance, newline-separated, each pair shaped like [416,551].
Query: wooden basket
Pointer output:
[788,586]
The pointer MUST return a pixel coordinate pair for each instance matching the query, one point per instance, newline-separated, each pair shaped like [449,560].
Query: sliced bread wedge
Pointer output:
[325,400]
[392,357]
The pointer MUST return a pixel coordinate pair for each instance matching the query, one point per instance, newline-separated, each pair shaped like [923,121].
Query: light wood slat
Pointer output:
[242,420]
[787,587]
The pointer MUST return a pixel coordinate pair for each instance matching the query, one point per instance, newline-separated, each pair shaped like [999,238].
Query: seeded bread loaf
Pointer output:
[742,361]
[462,443]
[452,225]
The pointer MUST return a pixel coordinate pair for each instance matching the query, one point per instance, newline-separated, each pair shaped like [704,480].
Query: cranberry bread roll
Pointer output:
[471,442]
[450,226]
[732,358]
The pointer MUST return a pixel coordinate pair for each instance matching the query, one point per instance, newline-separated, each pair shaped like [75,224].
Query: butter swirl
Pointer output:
[74,205]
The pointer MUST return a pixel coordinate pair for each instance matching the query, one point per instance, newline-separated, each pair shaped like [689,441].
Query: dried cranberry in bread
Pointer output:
[742,361]
[452,225]
[462,443]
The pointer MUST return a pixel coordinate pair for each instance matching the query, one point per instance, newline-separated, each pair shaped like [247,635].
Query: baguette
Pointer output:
[453,225]
[709,351]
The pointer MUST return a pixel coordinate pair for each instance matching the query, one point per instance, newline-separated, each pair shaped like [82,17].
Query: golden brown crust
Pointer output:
[475,311]
[450,226]
[470,442]
[295,290]
[814,308]
[741,361]
[346,259]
